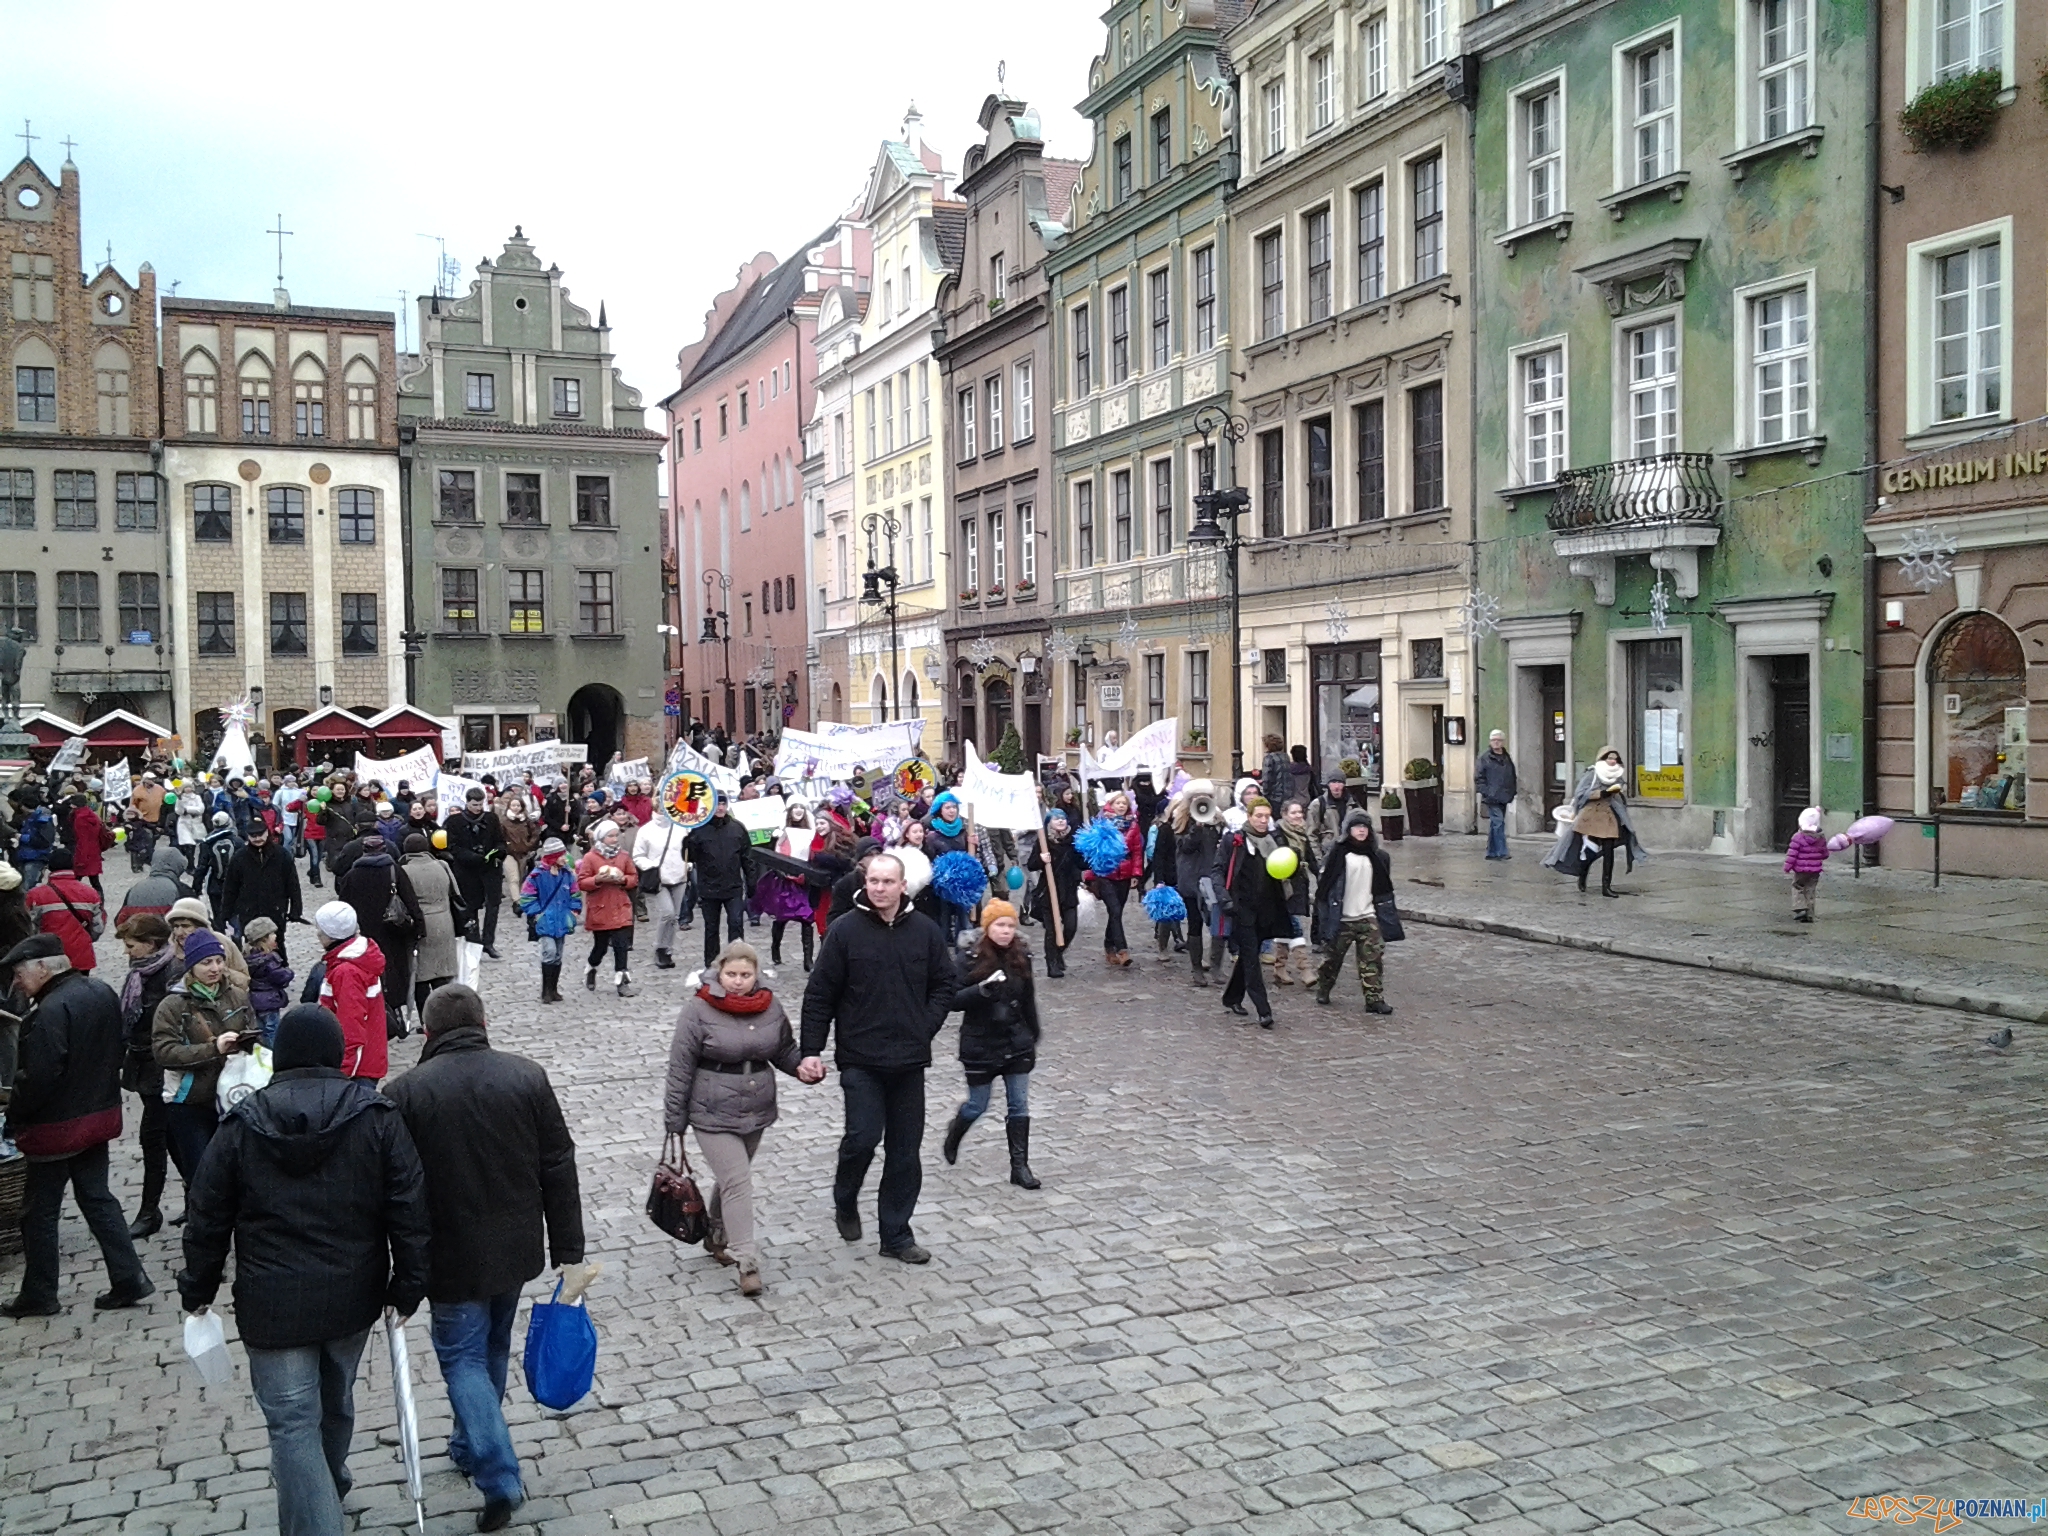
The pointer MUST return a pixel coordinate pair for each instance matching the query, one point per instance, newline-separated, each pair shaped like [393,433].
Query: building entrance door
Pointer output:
[1557,785]
[1791,745]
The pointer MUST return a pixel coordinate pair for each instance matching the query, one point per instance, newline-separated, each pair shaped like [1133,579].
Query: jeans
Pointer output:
[1496,830]
[189,1129]
[1114,894]
[307,1395]
[43,1203]
[1016,1090]
[734,909]
[885,1108]
[668,905]
[550,949]
[473,1342]
[313,861]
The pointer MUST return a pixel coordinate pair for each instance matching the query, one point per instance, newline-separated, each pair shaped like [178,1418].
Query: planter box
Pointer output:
[1425,808]
[1392,825]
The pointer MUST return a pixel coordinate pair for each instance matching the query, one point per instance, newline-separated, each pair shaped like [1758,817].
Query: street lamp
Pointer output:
[872,582]
[672,682]
[713,619]
[1212,507]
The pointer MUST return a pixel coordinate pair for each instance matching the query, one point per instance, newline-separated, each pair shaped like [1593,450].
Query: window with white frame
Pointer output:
[1370,207]
[1275,101]
[1272,286]
[1084,353]
[1426,180]
[1968,35]
[1027,544]
[1432,35]
[1783,40]
[1155,688]
[1316,242]
[925,535]
[1650,74]
[924,399]
[1119,334]
[1025,425]
[1372,57]
[1084,524]
[1540,380]
[1205,298]
[1159,308]
[967,444]
[1539,153]
[1198,692]
[903,382]
[1651,352]
[1780,339]
[1162,506]
[1322,89]
[1969,331]
[889,416]
[998,552]
[970,555]
[995,411]
[1120,515]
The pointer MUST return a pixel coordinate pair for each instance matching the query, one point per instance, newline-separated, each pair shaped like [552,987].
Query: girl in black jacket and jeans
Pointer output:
[999,1034]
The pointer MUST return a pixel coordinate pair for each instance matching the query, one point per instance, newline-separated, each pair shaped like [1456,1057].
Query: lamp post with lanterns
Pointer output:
[718,627]
[873,581]
[1213,508]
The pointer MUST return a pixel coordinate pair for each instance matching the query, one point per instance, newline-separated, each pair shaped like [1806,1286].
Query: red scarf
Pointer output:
[756,1001]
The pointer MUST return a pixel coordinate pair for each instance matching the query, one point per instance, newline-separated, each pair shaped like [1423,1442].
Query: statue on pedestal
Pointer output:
[12,654]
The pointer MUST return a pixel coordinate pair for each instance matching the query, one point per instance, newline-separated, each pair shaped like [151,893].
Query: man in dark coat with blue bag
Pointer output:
[501,1167]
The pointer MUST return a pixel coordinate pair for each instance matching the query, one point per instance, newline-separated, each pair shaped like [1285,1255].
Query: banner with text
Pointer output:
[418,768]
[762,818]
[1005,800]
[723,779]
[450,790]
[119,784]
[633,772]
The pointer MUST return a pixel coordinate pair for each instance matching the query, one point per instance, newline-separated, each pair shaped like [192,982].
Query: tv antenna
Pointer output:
[447,270]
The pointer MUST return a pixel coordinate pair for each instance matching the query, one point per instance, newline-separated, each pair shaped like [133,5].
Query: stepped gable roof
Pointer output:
[760,312]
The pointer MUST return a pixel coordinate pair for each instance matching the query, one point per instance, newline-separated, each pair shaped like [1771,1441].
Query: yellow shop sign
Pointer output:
[1966,471]
[1661,783]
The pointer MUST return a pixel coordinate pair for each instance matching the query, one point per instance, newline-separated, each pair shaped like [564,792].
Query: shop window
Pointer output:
[1978,694]
[1657,724]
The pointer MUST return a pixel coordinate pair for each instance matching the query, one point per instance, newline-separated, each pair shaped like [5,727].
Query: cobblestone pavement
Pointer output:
[1568,1243]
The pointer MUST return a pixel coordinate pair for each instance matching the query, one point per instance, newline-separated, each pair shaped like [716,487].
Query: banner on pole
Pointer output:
[1155,748]
[418,768]
[1005,800]
[626,773]
[450,791]
[118,784]
[723,779]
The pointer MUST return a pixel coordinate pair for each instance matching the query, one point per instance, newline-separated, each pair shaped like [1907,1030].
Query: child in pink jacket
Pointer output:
[1804,856]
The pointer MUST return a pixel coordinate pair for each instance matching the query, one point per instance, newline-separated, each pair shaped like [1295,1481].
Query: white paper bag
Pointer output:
[207,1343]
[470,968]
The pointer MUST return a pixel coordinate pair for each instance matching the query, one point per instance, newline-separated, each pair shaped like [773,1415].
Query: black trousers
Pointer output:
[619,941]
[885,1109]
[1246,976]
[86,1175]
[155,1142]
[1114,894]
[494,894]
[735,910]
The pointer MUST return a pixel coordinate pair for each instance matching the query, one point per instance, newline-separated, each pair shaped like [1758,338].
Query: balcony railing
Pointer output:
[1637,493]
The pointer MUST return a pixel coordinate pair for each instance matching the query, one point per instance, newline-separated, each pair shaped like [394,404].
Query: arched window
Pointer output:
[746,506]
[360,381]
[878,697]
[110,368]
[253,382]
[35,384]
[1977,690]
[309,398]
[764,599]
[202,393]
[909,693]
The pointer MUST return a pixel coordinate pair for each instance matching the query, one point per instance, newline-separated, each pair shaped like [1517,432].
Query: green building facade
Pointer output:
[1671,280]
[533,520]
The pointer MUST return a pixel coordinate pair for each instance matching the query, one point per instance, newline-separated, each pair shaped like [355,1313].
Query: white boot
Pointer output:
[626,987]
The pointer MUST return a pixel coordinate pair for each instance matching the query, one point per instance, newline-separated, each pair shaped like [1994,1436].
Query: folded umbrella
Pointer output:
[408,1414]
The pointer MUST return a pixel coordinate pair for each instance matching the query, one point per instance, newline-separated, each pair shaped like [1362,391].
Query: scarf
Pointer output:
[131,989]
[200,990]
[756,1001]
[1606,774]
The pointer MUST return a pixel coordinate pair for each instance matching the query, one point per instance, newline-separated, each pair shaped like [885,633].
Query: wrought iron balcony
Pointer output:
[1672,488]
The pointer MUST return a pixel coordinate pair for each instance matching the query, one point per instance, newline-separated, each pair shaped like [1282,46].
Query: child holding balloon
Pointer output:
[1804,856]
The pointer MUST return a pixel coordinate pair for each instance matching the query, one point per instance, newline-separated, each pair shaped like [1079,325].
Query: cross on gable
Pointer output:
[28,140]
[69,144]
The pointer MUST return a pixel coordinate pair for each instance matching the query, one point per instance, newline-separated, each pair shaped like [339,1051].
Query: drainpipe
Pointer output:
[803,512]
[407,436]
[1872,383]
[1472,641]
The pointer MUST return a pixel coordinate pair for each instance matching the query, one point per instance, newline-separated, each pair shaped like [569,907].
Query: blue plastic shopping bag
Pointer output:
[561,1352]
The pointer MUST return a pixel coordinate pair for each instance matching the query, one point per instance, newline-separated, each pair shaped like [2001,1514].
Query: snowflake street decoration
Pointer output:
[1481,614]
[238,712]
[1127,633]
[1060,647]
[1660,606]
[1335,622]
[982,652]
[1927,558]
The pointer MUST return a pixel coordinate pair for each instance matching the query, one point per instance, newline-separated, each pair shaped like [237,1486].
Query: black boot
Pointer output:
[663,960]
[1055,962]
[954,1134]
[147,1223]
[1583,869]
[810,945]
[1020,1153]
[551,983]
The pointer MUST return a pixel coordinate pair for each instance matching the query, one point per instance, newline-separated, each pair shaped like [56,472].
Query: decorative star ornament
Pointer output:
[237,712]
[982,652]
[1660,606]
[1127,632]
[1927,559]
[1481,613]
[1061,646]
[1336,623]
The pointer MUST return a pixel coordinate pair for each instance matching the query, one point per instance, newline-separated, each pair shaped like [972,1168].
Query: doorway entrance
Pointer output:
[1557,787]
[596,717]
[1791,744]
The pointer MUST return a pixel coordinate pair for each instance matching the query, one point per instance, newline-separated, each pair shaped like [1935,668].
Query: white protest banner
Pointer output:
[536,759]
[890,742]
[450,790]
[723,779]
[805,756]
[70,755]
[568,751]
[451,742]
[418,768]
[626,773]
[1005,800]
[119,784]
[762,818]
[1154,748]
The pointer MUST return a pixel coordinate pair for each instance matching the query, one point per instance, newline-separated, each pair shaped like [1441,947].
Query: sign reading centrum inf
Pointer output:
[1964,471]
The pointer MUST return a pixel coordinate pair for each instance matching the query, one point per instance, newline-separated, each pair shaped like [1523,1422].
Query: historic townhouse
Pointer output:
[999,458]
[830,476]
[282,485]
[1351,275]
[1141,310]
[536,539]
[82,571]
[1672,315]
[1960,519]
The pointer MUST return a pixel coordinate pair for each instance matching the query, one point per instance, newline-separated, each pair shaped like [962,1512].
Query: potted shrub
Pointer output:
[1026,584]
[995,589]
[1423,796]
[1392,823]
[1953,114]
[969,595]
[1073,735]
[1198,740]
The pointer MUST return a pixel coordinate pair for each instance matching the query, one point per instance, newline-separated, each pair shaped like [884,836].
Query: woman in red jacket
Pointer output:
[352,989]
[607,876]
[1115,889]
[90,840]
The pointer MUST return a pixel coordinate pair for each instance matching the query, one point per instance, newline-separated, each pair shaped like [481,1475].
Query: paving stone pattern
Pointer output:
[1568,1243]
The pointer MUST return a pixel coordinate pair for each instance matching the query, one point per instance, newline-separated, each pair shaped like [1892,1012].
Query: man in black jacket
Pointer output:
[262,881]
[885,978]
[501,1167]
[476,845]
[719,850]
[316,1183]
[65,1108]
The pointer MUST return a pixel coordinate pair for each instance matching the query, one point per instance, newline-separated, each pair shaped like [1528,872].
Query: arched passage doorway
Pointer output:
[597,718]
[997,712]
[1977,693]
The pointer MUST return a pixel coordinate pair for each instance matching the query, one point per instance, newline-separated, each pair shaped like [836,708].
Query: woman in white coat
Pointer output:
[660,844]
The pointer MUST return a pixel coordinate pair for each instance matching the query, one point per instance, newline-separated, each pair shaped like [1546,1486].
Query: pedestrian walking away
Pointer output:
[1355,877]
[354,976]
[436,953]
[501,1179]
[884,980]
[1494,779]
[315,1184]
[551,904]
[204,1018]
[1805,856]
[999,1035]
[731,1039]
[65,1107]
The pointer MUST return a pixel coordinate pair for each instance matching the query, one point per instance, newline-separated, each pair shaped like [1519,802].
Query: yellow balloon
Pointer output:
[440,838]
[1281,863]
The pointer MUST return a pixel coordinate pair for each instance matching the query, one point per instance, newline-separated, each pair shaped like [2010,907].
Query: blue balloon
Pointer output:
[1014,878]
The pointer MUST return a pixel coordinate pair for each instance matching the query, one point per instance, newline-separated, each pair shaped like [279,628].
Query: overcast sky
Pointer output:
[648,154]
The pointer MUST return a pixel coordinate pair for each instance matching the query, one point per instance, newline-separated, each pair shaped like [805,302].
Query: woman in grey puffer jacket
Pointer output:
[730,1040]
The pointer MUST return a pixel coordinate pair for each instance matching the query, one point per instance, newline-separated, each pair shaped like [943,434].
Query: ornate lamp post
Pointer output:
[714,618]
[873,581]
[1212,508]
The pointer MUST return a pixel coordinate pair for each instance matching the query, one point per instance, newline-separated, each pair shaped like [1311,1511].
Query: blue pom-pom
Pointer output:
[959,878]
[1163,905]
[1101,843]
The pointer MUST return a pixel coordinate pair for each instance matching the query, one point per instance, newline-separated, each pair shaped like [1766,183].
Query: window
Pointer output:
[1780,367]
[1977,686]
[838,444]
[1541,408]
[1656,717]
[35,396]
[970,556]
[1432,42]
[111,389]
[594,602]
[1783,67]
[844,564]
[1372,51]
[1272,286]
[1119,335]
[309,408]
[1162,144]
[213,514]
[1272,485]
[1426,435]
[1273,665]
[1159,307]
[139,599]
[361,384]
[1322,511]
[287,507]
[1078,692]
[998,552]
[1120,162]
[1155,688]
[1427,182]
[1027,544]
[1426,660]
[568,399]
[873,425]
[1969,332]
[480,392]
[1539,145]
[255,401]
[355,513]
[35,288]
[287,623]
[17,498]
[202,395]
[358,623]
[1315,233]
[135,501]
[1026,426]
[78,607]
[1084,524]
[458,495]
[968,446]
[724,417]
[1121,513]
[925,536]
[77,498]
[216,615]
[1084,355]
[1968,35]
[995,412]
[522,499]
[1322,90]
[903,386]
[1276,117]
[18,603]
[1205,298]
[697,433]
[924,400]
[1162,506]
[458,602]
[1198,691]
[998,283]
[594,500]
[1653,389]
[1371,207]
[743,410]
[1652,75]
[888,416]
[1369,425]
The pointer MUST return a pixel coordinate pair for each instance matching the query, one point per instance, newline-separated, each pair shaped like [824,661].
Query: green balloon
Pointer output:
[171,800]
[1281,863]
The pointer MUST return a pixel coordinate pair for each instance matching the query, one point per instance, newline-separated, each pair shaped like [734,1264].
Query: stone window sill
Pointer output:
[1806,141]
[584,635]
[1558,225]
[1672,186]
[1943,434]
[1738,460]
[1514,493]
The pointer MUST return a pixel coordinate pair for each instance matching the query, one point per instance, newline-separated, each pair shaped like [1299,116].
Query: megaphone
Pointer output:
[1204,810]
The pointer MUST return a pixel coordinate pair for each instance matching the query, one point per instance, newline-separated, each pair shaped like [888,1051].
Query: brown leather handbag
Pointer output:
[674,1203]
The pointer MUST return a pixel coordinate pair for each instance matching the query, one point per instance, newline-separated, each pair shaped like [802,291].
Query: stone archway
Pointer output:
[596,717]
